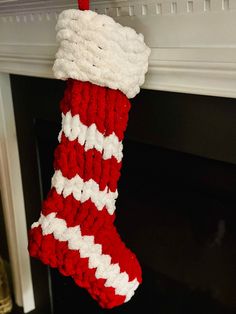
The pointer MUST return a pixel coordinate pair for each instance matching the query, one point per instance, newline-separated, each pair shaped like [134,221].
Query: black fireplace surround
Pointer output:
[178,184]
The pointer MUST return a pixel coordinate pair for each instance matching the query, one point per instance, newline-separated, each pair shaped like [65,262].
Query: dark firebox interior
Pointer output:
[176,205]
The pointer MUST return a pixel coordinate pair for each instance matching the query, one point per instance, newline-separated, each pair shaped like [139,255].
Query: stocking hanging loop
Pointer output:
[83,4]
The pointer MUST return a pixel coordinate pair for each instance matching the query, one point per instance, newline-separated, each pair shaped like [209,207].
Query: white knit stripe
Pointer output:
[88,249]
[85,190]
[90,137]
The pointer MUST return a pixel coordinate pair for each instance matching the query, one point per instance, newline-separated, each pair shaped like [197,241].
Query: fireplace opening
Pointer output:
[176,205]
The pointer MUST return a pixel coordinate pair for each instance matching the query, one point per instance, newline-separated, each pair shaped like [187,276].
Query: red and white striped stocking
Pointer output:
[104,64]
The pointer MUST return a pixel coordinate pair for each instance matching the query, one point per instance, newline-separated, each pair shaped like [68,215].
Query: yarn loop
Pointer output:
[83,5]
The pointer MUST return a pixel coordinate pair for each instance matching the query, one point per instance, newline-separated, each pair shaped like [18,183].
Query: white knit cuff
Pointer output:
[94,48]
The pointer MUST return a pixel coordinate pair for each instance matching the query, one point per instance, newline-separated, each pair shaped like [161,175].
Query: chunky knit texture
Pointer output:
[105,64]
[75,231]
[94,48]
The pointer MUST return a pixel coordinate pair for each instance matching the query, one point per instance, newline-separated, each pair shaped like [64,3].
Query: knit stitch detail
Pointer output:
[94,48]
[75,232]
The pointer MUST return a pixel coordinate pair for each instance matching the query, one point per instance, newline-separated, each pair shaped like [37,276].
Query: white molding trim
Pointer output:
[13,200]
[193,42]
[120,7]
[193,79]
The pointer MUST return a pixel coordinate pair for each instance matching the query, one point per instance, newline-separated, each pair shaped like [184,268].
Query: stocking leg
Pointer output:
[75,232]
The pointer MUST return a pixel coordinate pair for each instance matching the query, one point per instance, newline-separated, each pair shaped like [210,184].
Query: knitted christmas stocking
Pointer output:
[105,64]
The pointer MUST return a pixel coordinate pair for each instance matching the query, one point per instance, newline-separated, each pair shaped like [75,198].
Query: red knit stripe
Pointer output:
[105,107]
[71,158]
[96,223]
[56,254]
[73,211]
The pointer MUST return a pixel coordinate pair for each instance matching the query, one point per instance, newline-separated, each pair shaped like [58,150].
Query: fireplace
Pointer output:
[184,230]
[180,139]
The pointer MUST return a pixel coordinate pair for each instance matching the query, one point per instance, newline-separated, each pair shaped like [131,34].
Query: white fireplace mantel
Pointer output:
[193,42]
[193,46]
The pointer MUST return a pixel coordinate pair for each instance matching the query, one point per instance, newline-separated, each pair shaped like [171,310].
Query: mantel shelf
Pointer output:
[193,42]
